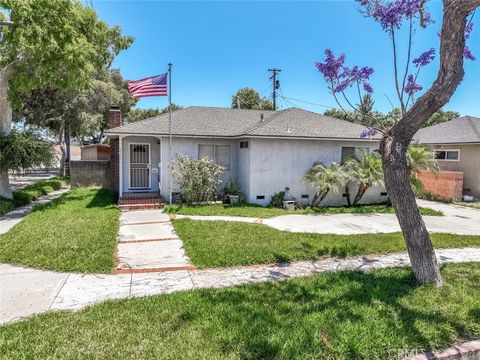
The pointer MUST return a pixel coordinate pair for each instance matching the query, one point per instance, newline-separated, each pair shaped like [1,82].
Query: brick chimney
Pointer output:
[114,121]
[114,117]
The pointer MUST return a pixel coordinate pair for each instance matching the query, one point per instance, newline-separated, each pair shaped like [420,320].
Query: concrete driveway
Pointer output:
[456,220]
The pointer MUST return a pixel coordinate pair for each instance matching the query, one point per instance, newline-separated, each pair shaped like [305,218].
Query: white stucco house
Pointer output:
[267,151]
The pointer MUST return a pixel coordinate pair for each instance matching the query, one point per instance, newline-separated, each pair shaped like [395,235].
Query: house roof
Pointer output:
[460,130]
[224,122]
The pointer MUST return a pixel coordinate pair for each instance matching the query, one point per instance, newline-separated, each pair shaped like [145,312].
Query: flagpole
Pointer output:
[170,129]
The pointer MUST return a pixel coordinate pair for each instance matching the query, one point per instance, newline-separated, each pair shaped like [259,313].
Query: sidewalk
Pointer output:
[26,292]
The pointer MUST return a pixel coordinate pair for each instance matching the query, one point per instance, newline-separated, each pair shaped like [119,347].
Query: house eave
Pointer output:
[243,136]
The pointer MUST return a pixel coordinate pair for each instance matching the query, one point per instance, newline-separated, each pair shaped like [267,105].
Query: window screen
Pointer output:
[447,155]
[218,153]
[206,151]
[222,155]
[346,153]
[452,155]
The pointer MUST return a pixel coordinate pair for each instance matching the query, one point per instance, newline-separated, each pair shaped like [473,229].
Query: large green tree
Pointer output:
[51,44]
[137,114]
[248,98]
[391,117]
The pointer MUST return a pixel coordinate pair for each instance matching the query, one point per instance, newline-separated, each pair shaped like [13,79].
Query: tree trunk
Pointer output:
[347,195]
[5,125]
[396,176]
[66,165]
[319,196]
[362,187]
[394,143]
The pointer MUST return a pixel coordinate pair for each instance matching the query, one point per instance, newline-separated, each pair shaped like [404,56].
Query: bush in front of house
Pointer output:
[199,180]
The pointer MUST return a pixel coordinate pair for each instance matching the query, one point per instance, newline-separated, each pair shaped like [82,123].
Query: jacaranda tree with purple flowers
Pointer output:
[344,82]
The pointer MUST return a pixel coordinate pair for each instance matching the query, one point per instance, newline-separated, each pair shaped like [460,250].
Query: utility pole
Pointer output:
[275,86]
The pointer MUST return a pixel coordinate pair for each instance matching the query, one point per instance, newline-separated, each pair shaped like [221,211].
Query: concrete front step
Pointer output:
[137,207]
[141,201]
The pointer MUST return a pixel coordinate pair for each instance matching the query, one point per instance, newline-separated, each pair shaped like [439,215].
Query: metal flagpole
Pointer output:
[170,129]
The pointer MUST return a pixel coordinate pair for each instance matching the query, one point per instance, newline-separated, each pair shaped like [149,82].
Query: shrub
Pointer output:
[24,150]
[277,200]
[199,180]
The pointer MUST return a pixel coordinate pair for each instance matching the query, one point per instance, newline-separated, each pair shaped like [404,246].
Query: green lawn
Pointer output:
[379,315]
[76,232]
[224,244]
[31,192]
[252,210]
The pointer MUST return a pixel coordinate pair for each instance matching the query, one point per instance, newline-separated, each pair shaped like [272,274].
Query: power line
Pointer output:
[309,102]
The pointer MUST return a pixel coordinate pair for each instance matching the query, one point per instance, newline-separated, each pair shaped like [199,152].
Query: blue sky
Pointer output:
[218,47]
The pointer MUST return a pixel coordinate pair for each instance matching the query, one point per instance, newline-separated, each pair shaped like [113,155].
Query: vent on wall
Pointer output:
[305,196]
[260,197]
[383,194]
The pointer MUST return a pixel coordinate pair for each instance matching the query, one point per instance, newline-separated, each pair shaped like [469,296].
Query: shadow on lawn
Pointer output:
[281,307]
[92,197]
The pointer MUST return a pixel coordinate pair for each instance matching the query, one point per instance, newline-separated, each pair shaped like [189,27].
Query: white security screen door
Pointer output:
[139,166]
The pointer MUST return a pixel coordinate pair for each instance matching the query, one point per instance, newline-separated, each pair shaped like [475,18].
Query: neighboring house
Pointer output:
[457,148]
[267,151]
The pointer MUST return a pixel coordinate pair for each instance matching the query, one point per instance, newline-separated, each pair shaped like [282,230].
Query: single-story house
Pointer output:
[457,148]
[266,151]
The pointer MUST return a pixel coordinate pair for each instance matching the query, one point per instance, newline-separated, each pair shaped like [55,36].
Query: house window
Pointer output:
[243,144]
[447,155]
[348,151]
[218,153]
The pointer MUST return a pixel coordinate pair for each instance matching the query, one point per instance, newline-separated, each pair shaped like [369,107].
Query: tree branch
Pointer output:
[408,59]
[450,73]
[395,67]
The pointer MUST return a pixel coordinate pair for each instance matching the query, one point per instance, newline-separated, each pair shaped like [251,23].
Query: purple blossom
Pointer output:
[368,88]
[340,77]
[368,132]
[391,14]
[467,52]
[425,58]
[332,66]
[412,87]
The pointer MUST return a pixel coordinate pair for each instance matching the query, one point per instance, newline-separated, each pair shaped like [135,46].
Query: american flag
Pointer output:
[151,86]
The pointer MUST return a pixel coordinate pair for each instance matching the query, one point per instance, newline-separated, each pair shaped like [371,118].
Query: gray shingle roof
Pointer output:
[223,122]
[461,130]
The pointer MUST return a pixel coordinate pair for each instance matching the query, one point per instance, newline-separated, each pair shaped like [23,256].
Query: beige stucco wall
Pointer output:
[469,163]
[279,163]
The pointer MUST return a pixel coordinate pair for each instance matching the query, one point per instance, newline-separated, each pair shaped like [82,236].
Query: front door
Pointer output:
[139,166]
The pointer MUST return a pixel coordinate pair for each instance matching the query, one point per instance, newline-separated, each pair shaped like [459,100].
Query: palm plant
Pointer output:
[419,158]
[366,169]
[325,178]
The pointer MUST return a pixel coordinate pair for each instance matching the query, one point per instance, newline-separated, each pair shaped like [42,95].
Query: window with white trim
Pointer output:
[447,155]
[218,153]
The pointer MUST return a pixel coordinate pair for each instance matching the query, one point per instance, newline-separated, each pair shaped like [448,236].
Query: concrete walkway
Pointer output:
[147,242]
[456,220]
[25,292]
[12,218]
